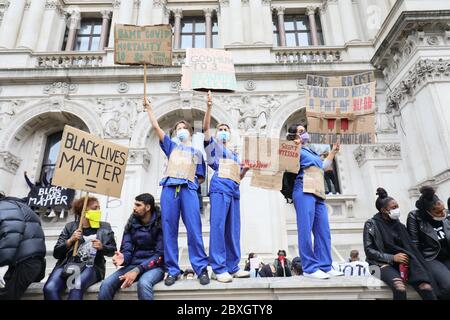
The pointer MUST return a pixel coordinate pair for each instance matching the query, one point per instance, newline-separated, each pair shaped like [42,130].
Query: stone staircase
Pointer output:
[292,288]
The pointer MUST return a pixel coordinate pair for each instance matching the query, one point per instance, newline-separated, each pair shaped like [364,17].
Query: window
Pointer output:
[88,36]
[297,30]
[193,32]
[215,33]
[50,155]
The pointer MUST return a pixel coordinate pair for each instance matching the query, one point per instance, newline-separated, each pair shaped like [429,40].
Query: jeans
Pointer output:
[441,273]
[146,281]
[56,284]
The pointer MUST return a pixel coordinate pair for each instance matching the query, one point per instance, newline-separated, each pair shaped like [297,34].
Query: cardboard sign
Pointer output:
[181,165]
[88,163]
[329,131]
[352,99]
[143,44]
[341,109]
[254,263]
[229,169]
[340,81]
[267,180]
[313,181]
[271,154]
[208,69]
[53,196]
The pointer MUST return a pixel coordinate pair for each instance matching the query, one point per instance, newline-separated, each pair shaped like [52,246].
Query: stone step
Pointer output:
[292,288]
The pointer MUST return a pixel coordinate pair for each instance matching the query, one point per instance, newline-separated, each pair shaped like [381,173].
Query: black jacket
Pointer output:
[423,235]
[373,245]
[21,234]
[104,234]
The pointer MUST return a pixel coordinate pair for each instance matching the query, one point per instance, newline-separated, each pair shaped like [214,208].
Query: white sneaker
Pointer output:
[222,277]
[335,273]
[319,274]
[241,274]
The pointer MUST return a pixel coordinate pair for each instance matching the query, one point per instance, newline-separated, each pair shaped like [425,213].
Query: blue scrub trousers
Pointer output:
[312,216]
[186,202]
[225,234]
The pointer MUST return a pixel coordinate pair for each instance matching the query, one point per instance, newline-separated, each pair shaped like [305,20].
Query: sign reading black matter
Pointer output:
[53,196]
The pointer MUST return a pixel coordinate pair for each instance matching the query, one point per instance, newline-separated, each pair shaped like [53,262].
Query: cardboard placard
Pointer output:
[254,263]
[208,69]
[313,181]
[356,100]
[340,81]
[229,169]
[86,162]
[267,180]
[139,45]
[53,197]
[271,154]
[181,165]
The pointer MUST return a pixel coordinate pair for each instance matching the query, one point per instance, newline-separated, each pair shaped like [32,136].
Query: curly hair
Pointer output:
[77,205]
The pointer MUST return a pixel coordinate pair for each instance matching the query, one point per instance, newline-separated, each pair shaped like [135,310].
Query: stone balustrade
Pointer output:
[306,55]
[70,60]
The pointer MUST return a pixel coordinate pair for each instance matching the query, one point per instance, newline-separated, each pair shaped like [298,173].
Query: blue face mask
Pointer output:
[183,135]
[223,136]
[305,137]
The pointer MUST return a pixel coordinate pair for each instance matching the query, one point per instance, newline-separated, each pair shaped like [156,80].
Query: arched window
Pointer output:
[50,155]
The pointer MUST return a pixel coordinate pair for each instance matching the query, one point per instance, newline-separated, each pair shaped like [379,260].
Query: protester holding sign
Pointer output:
[224,240]
[185,170]
[312,213]
[90,254]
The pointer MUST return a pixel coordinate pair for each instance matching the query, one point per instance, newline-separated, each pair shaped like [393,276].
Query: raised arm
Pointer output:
[147,105]
[329,160]
[207,119]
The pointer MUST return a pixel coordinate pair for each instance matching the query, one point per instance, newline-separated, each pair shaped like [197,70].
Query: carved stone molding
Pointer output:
[123,87]
[250,85]
[159,3]
[60,88]
[377,152]
[119,117]
[175,86]
[9,162]
[139,157]
[421,73]
[116,4]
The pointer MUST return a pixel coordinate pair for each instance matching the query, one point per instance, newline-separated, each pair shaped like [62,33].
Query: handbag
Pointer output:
[72,266]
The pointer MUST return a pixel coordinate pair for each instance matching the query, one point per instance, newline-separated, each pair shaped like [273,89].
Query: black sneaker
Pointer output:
[204,277]
[170,280]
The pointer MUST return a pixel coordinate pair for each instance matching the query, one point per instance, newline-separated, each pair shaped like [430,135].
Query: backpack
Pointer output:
[288,185]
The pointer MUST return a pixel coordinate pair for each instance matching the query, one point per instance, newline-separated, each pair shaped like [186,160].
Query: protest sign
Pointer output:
[341,109]
[182,165]
[88,163]
[143,44]
[53,196]
[270,158]
[208,69]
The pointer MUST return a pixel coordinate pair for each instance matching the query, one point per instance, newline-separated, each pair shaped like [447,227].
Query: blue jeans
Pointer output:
[146,281]
[56,284]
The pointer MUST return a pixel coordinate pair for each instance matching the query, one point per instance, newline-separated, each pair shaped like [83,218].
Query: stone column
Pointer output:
[223,19]
[126,12]
[281,32]
[246,22]
[208,26]
[31,25]
[145,12]
[348,19]
[236,35]
[267,21]
[324,24]
[256,16]
[106,15]
[178,13]
[334,20]
[11,23]
[114,20]
[311,12]
[50,22]
[159,7]
[74,21]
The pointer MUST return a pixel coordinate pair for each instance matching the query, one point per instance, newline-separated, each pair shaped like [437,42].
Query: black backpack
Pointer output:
[288,186]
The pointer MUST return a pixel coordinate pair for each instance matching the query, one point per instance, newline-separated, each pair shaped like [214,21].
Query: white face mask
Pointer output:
[439,218]
[183,135]
[394,214]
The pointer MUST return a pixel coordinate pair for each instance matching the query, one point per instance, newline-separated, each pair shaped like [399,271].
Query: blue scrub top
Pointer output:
[167,146]
[308,158]
[214,152]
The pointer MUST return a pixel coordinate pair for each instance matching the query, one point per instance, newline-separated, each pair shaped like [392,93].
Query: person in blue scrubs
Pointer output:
[180,195]
[224,195]
[312,213]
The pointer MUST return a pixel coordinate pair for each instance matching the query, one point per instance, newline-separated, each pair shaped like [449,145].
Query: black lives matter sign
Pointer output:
[53,197]
[86,162]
